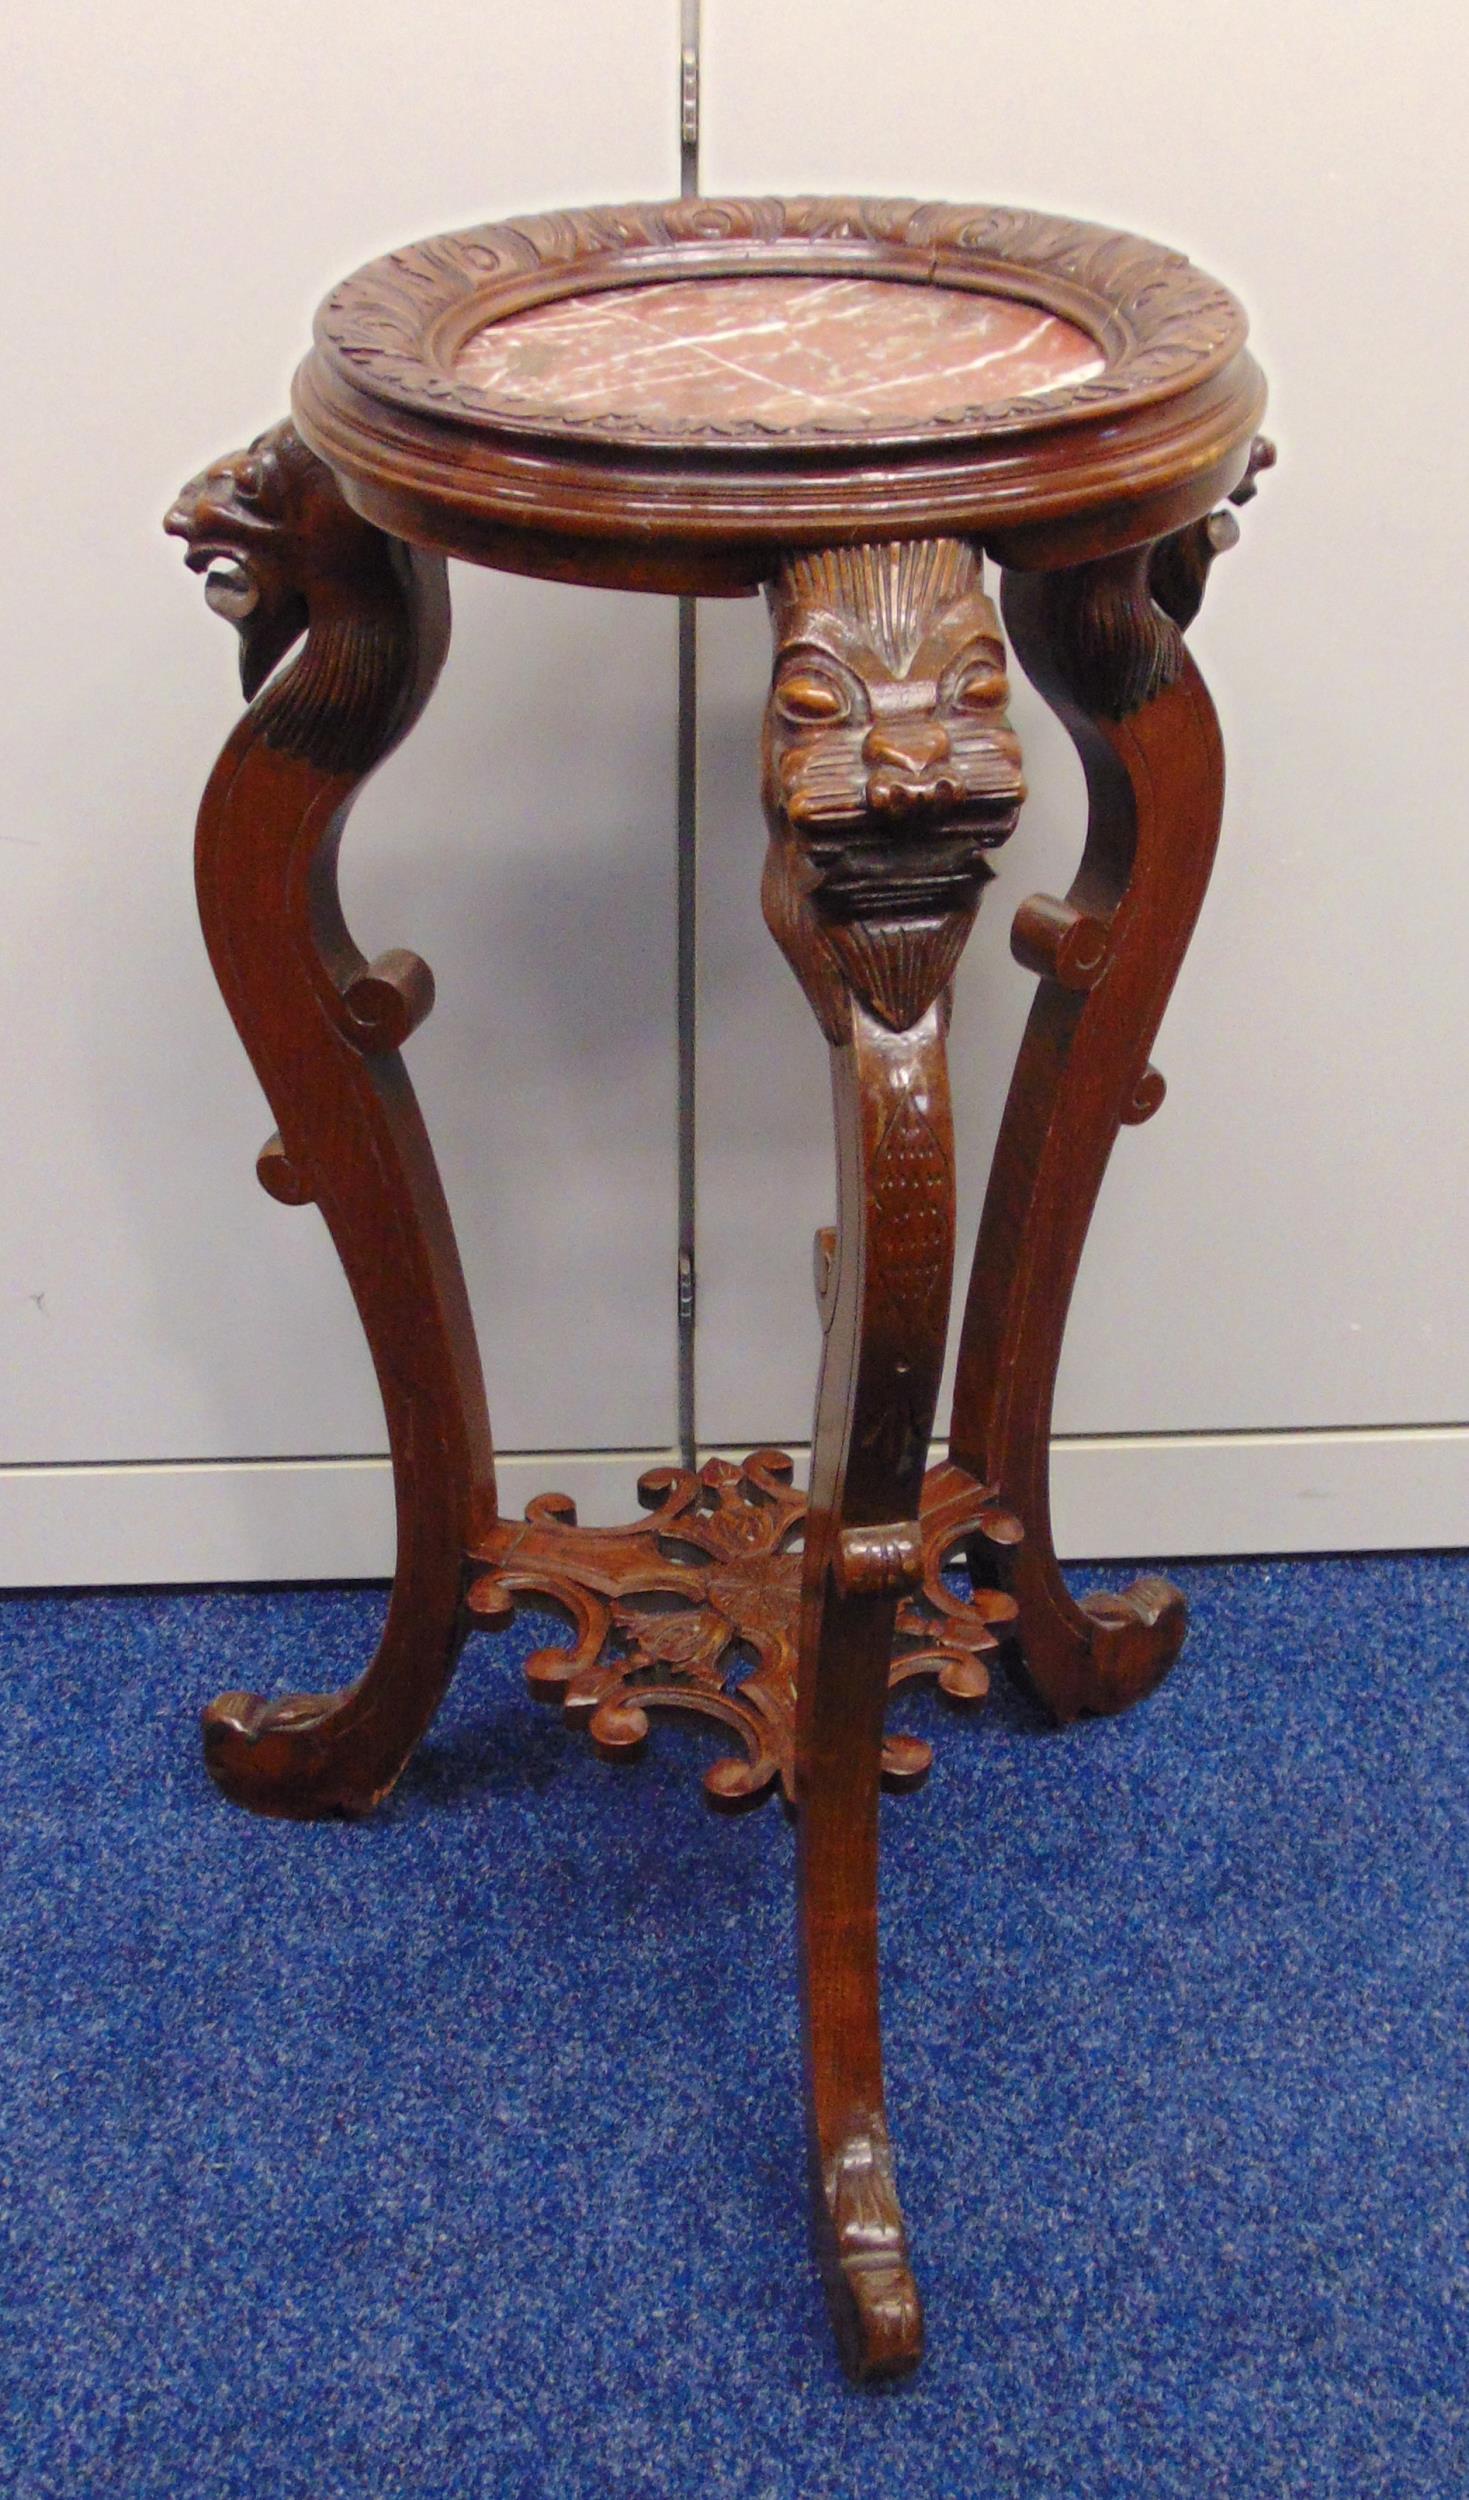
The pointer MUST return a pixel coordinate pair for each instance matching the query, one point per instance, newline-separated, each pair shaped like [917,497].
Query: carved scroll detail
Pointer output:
[694,1610]
[1108,955]
[285,556]
[866,2264]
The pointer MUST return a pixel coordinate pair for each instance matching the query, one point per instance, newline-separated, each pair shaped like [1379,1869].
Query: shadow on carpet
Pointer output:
[459,2152]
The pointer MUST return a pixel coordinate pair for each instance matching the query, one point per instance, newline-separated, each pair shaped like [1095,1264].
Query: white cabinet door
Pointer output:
[181,194]
[1268,1346]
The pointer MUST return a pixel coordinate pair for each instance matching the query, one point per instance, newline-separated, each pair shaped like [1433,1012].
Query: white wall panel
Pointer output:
[1276,1255]
[180,190]
[1281,1248]
[332,1518]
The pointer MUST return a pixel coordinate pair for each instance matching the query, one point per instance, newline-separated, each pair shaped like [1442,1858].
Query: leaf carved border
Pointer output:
[395,327]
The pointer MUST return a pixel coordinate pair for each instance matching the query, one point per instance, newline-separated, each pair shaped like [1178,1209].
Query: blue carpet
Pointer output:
[459,2153]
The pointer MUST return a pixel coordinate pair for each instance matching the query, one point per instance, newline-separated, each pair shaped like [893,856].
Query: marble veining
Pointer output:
[862,354]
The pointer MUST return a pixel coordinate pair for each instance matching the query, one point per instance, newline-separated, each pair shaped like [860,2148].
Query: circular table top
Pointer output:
[672,395]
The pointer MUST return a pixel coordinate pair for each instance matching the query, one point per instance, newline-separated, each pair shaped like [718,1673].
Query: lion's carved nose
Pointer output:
[912,747]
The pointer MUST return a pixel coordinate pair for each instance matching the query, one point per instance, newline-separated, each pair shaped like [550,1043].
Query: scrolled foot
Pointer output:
[1096,1658]
[863,2253]
[286,1757]
[1139,1634]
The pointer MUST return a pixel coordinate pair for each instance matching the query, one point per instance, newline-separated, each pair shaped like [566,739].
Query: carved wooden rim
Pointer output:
[395,328]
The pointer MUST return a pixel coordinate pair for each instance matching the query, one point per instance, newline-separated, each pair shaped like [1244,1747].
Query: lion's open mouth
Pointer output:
[229,588]
[936,875]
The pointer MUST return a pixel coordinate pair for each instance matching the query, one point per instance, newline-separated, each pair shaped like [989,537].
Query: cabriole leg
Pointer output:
[286,556]
[1104,645]
[889,771]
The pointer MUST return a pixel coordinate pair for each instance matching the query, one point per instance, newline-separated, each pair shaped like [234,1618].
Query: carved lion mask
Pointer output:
[267,528]
[887,747]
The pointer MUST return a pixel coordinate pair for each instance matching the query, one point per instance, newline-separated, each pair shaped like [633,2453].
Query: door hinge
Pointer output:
[688,99]
[685,1287]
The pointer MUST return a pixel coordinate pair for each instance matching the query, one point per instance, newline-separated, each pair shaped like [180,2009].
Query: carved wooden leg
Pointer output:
[322,1027]
[1103,645]
[889,770]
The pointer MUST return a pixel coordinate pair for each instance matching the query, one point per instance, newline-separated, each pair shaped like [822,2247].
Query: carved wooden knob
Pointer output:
[618,1730]
[732,1782]
[1263,456]
[278,1175]
[1061,943]
[906,1763]
[390,999]
[490,1602]
[880,1562]
[1145,1098]
[965,1679]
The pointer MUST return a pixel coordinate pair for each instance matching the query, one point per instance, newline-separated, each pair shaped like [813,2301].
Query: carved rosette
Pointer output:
[695,1610]
[889,771]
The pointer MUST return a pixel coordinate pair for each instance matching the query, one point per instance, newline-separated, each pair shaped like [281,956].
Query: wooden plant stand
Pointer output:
[848,404]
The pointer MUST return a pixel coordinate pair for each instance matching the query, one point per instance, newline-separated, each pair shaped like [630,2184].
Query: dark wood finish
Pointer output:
[890,771]
[1111,662]
[1144,447]
[284,556]
[663,1613]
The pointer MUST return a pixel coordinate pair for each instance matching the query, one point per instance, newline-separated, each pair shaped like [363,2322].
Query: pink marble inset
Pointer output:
[855,353]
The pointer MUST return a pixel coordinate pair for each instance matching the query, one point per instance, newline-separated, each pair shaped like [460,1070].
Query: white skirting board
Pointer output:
[1149,1497]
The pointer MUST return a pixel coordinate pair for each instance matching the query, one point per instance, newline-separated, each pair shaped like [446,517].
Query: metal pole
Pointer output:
[687,900]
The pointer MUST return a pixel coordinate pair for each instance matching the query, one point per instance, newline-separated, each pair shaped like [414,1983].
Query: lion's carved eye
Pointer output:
[981,688]
[808,694]
[249,478]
